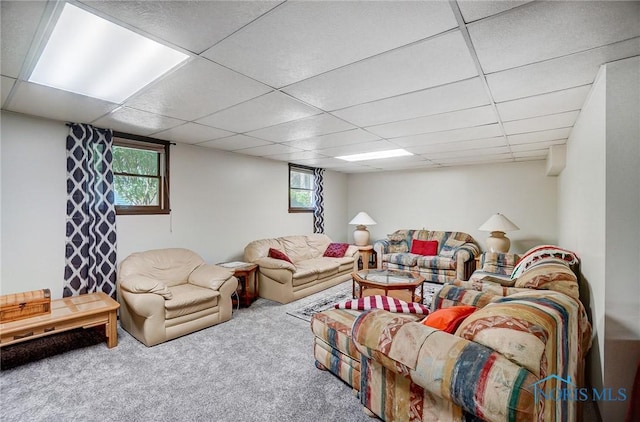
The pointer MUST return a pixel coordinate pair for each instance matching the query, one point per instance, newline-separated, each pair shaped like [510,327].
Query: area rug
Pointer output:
[324,300]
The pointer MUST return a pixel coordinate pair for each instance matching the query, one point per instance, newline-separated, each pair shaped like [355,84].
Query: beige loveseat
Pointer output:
[310,271]
[167,293]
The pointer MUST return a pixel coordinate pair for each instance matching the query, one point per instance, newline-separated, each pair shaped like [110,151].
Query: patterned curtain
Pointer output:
[90,249]
[318,197]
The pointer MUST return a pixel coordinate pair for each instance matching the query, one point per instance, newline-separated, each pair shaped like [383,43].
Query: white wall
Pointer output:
[220,201]
[460,199]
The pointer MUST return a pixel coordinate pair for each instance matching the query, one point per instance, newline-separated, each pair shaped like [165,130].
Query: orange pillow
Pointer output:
[448,319]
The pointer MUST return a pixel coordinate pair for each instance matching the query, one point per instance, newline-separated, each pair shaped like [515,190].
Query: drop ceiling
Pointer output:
[454,83]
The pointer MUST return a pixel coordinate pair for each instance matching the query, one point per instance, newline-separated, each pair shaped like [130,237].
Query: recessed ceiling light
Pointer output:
[91,56]
[375,155]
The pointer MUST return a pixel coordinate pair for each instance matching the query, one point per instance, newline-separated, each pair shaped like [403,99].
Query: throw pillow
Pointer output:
[336,250]
[424,247]
[275,253]
[387,303]
[448,319]
[395,237]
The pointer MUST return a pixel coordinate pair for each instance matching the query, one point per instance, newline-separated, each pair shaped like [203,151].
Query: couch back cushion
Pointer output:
[297,248]
[260,248]
[446,240]
[170,266]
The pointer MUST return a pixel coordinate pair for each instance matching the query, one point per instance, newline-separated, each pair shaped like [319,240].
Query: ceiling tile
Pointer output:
[297,156]
[540,105]
[541,136]
[536,146]
[192,25]
[557,74]
[467,153]
[355,136]
[324,162]
[394,161]
[196,89]
[539,154]
[192,133]
[454,96]
[235,142]
[273,149]
[474,10]
[136,122]
[497,158]
[473,144]
[437,61]
[308,127]
[552,121]
[301,39]
[487,131]
[440,122]
[544,30]
[56,104]
[5,87]
[411,165]
[359,148]
[20,20]
[267,110]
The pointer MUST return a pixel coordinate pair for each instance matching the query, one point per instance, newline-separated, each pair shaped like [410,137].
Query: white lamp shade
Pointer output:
[362,219]
[498,223]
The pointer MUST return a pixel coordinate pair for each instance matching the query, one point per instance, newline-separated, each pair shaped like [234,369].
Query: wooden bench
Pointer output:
[84,311]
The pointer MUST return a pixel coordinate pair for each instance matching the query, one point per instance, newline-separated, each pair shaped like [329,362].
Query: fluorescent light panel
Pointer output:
[376,155]
[91,56]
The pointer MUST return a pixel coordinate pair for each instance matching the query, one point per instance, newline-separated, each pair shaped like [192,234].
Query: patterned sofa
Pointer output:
[455,258]
[523,339]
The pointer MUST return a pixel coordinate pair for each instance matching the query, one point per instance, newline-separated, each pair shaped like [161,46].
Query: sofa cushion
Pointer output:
[344,264]
[336,250]
[439,262]
[498,262]
[387,303]
[188,298]
[406,259]
[424,247]
[277,254]
[448,319]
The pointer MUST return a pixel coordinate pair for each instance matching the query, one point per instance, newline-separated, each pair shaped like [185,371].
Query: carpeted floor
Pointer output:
[257,367]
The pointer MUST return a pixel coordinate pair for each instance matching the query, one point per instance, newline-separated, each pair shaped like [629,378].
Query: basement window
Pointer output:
[140,175]
[301,189]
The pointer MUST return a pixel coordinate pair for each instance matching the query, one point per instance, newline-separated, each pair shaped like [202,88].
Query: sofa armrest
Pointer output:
[474,377]
[143,284]
[352,250]
[465,256]
[210,276]
[274,264]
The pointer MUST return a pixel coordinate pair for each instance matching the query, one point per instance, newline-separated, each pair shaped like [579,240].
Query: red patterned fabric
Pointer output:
[276,254]
[336,250]
[387,303]
[424,247]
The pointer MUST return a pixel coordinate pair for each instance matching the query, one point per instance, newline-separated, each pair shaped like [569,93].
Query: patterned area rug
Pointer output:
[321,301]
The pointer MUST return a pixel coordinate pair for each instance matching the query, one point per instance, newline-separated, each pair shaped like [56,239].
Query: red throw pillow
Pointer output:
[424,247]
[336,250]
[448,319]
[274,253]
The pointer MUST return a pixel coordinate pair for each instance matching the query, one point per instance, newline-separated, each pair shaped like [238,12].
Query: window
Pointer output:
[301,189]
[140,174]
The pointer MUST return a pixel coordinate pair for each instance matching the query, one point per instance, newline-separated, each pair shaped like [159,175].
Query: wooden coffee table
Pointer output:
[395,283]
[84,311]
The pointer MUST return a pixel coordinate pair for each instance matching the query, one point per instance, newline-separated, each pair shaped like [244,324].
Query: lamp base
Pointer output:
[498,242]
[361,236]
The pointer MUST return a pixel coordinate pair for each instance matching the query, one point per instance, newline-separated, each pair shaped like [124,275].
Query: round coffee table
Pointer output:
[395,283]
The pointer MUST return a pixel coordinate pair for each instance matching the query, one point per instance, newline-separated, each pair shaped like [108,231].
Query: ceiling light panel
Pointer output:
[197,89]
[441,99]
[267,110]
[91,56]
[308,127]
[298,40]
[359,148]
[192,133]
[557,74]
[184,22]
[540,105]
[544,30]
[235,142]
[440,122]
[375,155]
[436,61]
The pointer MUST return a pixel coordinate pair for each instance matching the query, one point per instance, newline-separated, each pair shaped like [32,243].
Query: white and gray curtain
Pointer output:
[318,197]
[90,249]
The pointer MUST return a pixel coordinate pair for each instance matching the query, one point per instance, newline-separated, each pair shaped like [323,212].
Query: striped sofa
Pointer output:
[455,258]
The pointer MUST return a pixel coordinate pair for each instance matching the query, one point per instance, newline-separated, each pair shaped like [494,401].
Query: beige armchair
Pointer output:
[167,293]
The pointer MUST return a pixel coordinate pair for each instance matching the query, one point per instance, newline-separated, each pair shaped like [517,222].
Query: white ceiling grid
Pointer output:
[454,83]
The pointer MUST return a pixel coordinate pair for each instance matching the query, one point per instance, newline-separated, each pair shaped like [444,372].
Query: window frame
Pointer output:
[150,144]
[301,169]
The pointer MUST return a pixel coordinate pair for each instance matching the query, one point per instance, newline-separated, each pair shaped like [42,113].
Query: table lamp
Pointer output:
[361,234]
[497,224]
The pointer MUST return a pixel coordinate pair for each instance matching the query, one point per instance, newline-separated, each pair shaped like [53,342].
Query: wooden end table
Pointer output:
[245,272]
[395,283]
[366,252]
[84,311]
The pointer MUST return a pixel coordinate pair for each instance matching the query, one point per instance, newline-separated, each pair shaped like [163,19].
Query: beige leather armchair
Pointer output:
[167,293]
